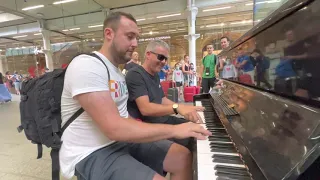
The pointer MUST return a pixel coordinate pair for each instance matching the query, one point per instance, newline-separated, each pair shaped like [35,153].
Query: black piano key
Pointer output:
[239,173]
[226,178]
[212,144]
[226,166]
[219,135]
[217,130]
[224,156]
[227,161]
[232,176]
[219,138]
[222,150]
[216,125]
[231,170]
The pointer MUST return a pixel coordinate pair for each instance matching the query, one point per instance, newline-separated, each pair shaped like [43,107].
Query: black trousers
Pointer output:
[207,83]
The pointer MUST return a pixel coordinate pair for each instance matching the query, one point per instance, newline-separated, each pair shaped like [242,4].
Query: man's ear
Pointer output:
[108,33]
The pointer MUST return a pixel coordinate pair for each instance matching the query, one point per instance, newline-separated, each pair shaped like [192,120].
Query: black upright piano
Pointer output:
[265,121]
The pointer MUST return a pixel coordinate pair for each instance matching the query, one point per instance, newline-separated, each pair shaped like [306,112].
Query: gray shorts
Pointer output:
[124,161]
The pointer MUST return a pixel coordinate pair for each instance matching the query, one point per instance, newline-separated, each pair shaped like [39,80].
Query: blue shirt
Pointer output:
[284,69]
[162,75]
[248,66]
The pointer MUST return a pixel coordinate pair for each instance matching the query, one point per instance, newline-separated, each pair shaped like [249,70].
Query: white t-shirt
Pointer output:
[82,137]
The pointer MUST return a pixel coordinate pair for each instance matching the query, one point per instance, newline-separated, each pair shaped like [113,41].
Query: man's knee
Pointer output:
[178,158]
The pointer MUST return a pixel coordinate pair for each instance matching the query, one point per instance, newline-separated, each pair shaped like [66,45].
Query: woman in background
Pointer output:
[186,70]
[5,96]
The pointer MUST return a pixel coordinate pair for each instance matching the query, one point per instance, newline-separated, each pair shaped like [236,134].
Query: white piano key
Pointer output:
[206,172]
[198,103]
[204,155]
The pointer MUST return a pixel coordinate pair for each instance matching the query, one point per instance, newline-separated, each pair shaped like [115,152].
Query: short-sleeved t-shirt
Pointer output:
[248,66]
[209,61]
[82,137]
[141,83]
[130,65]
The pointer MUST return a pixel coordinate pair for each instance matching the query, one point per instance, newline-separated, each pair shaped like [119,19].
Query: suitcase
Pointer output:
[173,94]
[188,93]
[198,89]
[165,86]
[245,78]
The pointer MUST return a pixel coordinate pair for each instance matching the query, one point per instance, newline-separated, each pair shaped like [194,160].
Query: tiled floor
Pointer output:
[17,155]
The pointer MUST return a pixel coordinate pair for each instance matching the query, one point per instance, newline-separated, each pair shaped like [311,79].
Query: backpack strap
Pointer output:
[55,150]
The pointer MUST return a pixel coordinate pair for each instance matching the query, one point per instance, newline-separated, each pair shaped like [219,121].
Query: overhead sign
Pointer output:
[154,38]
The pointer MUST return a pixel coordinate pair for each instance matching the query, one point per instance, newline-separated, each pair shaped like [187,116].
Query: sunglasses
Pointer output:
[160,57]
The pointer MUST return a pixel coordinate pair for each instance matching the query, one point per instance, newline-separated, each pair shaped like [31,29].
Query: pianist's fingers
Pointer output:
[199,136]
[199,108]
[201,130]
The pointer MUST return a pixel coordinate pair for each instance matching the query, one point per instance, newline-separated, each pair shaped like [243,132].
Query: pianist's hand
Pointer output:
[189,112]
[190,129]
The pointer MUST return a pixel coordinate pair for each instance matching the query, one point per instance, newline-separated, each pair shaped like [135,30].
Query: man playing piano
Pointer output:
[146,98]
[104,142]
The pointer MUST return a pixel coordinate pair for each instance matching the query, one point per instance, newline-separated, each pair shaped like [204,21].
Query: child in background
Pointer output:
[229,70]
[177,77]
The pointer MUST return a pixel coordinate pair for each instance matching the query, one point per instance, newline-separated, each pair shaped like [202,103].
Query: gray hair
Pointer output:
[156,43]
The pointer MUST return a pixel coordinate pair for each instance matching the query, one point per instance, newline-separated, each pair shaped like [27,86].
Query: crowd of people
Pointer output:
[9,83]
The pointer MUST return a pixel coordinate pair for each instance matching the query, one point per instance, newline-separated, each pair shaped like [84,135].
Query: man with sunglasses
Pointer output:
[146,97]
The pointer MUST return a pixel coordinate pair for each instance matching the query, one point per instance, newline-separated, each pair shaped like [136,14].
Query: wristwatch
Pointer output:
[175,108]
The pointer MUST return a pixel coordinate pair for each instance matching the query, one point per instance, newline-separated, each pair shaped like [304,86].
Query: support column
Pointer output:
[3,64]
[192,12]
[47,49]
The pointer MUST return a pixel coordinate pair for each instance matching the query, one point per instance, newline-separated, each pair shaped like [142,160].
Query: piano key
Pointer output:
[227,161]
[222,145]
[240,177]
[226,157]
[222,168]
[219,149]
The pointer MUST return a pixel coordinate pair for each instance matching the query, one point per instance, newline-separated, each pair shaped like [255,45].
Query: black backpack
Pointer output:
[40,113]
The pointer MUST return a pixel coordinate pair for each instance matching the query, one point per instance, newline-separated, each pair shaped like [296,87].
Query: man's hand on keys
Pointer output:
[191,112]
[190,129]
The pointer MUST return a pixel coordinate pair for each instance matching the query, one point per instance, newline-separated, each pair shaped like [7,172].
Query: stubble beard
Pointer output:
[119,57]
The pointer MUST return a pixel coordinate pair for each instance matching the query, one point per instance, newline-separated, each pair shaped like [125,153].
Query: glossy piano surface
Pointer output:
[281,135]
[281,53]
[273,118]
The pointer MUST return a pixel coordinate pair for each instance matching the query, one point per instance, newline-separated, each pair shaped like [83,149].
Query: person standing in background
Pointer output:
[229,70]
[208,69]
[164,72]
[244,64]
[178,78]
[17,78]
[224,42]
[193,73]
[186,70]
[134,62]
[5,96]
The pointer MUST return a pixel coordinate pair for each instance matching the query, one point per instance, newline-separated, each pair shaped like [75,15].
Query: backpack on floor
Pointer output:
[40,113]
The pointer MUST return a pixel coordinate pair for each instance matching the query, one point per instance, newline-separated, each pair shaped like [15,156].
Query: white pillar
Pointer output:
[47,49]
[3,64]
[192,12]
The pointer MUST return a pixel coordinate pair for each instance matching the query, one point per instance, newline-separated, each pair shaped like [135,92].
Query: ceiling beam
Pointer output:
[17,13]
[13,39]
[67,35]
